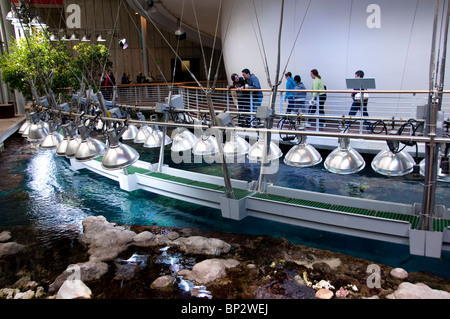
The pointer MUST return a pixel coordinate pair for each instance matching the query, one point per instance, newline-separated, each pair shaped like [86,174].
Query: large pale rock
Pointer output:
[399,273]
[324,294]
[203,246]
[29,294]
[5,236]
[10,248]
[407,290]
[83,271]
[144,239]
[74,289]
[8,293]
[210,270]
[106,240]
[162,282]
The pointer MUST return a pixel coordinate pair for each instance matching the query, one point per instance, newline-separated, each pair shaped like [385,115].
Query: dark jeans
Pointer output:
[313,107]
[292,106]
[356,106]
[244,106]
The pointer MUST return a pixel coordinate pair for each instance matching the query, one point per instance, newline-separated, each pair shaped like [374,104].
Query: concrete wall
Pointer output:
[110,17]
[389,40]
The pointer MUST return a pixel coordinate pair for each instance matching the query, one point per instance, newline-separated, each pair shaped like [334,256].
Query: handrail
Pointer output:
[186,86]
[419,139]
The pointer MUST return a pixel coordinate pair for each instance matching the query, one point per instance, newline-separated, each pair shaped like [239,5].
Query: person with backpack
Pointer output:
[299,96]
[289,95]
[318,98]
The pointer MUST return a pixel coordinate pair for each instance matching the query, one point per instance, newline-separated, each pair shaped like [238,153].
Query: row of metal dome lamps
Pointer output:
[76,143]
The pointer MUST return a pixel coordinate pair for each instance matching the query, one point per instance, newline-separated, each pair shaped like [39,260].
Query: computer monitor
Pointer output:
[360,83]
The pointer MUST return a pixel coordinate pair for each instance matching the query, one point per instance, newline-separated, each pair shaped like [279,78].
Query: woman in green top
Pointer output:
[318,85]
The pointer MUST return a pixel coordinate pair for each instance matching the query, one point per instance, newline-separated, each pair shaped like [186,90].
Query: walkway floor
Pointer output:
[9,126]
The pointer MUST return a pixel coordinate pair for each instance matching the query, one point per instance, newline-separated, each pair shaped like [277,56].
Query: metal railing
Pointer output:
[389,106]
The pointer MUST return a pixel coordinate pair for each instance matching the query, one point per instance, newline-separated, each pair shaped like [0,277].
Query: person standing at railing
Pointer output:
[109,82]
[125,78]
[243,103]
[299,97]
[356,106]
[289,96]
[148,79]
[140,78]
[318,98]
[252,83]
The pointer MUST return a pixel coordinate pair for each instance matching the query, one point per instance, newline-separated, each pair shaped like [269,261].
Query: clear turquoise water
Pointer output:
[51,194]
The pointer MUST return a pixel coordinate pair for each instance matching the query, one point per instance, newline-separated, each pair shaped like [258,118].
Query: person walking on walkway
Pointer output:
[318,97]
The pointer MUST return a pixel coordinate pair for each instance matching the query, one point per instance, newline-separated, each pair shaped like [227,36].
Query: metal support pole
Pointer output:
[226,175]
[144,44]
[431,147]
[273,97]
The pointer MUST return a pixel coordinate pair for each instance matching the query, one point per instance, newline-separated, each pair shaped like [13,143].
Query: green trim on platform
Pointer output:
[238,193]
[439,224]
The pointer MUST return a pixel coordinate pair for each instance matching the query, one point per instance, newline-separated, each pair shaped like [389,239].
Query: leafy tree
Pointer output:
[34,59]
[52,65]
[91,61]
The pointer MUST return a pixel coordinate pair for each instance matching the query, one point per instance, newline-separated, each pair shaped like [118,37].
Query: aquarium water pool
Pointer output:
[41,189]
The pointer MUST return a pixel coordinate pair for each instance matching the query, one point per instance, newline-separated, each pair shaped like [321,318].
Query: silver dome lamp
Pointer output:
[74,141]
[53,138]
[182,140]
[62,147]
[130,133]
[89,147]
[25,125]
[256,151]
[206,145]
[118,155]
[391,162]
[344,159]
[155,139]
[302,154]
[443,167]
[236,146]
[144,131]
[37,130]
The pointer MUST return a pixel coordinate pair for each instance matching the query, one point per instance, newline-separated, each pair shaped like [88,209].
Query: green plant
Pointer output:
[33,59]
[91,61]
[47,65]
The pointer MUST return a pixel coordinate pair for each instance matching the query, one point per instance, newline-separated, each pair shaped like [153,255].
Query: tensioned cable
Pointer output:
[151,55]
[219,14]
[348,35]
[223,40]
[137,3]
[261,47]
[438,62]
[296,38]
[208,70]
[178,44]
[409,45]
[201,43]
[112,36]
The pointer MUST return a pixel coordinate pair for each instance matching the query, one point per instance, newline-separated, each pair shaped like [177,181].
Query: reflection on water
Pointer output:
[52,194]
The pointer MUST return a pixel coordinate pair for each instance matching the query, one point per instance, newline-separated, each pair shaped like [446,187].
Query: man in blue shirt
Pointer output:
[252,83]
